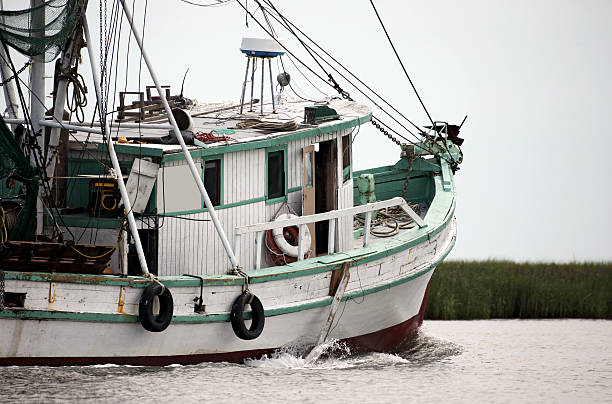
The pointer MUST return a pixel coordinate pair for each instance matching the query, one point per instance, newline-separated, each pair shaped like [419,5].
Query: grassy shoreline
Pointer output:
[466,290]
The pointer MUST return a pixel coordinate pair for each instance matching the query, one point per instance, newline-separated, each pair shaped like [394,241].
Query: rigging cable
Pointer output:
[287,25]
[321,78]
[454,163]
[400,61]
[292,25]
[31,142]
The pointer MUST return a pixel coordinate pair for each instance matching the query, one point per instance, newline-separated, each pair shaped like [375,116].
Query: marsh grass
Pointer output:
[463,290]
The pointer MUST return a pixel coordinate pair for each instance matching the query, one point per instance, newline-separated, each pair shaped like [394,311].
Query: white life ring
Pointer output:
[283,244]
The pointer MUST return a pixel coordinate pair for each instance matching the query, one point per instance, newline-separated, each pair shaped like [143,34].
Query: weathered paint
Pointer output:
[276,141]
[359,290]
[87,339]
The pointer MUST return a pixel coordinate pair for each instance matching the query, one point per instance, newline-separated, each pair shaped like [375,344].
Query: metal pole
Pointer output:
[271,85]
[252,83]
[61,125]
[72,51]
[246,74]
[194,171]
[12,106]
[113,156]
[263,61]
[37,86]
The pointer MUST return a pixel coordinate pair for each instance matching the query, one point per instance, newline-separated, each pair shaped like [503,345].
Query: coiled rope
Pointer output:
[389,221]
[267,125]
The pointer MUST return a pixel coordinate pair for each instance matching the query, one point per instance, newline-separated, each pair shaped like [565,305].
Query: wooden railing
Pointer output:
[260,228]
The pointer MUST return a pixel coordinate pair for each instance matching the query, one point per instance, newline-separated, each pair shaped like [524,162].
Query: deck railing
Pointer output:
[260,228]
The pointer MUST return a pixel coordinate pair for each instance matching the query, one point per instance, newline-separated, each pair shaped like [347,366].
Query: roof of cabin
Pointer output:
[214,117]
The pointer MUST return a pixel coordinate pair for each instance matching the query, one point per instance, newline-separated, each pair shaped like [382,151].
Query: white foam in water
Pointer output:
[106,365]
[291,357]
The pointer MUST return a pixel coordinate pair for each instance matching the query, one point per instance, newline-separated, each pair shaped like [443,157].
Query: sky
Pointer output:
[532,76]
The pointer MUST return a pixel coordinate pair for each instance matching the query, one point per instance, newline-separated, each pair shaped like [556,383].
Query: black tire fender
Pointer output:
[150,321]
[258,317]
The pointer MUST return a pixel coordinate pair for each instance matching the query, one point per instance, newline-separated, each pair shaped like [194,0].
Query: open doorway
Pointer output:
[326,161]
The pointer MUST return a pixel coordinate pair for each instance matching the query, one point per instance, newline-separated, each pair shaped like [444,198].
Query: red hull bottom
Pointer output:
[385,340]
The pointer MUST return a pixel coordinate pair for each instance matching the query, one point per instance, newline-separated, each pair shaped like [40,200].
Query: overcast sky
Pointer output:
[533,76]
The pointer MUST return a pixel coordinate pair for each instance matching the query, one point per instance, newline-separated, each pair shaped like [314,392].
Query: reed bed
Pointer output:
[465,290]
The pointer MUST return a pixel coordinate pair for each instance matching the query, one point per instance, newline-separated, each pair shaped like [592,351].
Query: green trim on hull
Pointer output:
[128,318]
[437,214]
[438,217]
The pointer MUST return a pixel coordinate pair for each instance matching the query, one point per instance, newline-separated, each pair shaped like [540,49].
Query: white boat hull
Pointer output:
[384,303]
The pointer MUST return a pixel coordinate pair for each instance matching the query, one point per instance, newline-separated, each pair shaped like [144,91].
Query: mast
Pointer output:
[37,88]
[69,55]
[12,106]
[194,171]
[113,155]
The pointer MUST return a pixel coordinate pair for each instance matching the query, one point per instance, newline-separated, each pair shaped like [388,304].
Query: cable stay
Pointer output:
[334,84]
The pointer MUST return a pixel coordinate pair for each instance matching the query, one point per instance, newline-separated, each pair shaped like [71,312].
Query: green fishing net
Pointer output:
[18,180]
[41,30]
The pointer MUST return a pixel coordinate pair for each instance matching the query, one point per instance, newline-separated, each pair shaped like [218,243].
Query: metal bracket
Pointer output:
[199,306]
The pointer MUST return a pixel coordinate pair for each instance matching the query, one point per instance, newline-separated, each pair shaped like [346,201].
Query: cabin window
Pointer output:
[308,169]
[212,180]
[346,158]
[276,175]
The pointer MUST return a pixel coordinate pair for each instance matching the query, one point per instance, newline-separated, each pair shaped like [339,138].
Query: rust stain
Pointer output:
[51,295]
[121,302]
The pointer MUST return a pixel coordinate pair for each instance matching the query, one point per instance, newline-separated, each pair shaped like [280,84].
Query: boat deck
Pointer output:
[224,118]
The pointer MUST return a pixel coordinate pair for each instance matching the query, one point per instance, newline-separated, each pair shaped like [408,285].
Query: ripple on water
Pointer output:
[471,361]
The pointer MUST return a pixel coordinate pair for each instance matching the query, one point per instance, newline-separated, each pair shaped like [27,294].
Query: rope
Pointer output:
[92,257]
[238,271]
[4,232]
[267,125]
[154,279]
[207,137]
[78,101]
[119,238]
[1,290]
[390,218]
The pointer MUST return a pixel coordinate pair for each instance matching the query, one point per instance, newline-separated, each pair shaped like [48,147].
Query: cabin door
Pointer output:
[308,191]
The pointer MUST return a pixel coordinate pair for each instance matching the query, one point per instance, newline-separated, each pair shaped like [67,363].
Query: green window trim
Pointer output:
[283,198]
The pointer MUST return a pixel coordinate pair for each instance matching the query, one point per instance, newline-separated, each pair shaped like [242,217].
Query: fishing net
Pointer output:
[41,30]
[19,184]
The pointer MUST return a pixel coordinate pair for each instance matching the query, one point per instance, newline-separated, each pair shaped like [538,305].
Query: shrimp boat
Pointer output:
[174,231]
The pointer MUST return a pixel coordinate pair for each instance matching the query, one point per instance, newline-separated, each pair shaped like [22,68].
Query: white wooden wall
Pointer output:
[187,246]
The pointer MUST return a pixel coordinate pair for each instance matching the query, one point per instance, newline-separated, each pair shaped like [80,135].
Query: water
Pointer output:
[539,361]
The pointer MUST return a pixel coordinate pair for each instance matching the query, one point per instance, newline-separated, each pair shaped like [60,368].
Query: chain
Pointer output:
[28,63]
[386,132]
[1,290]
[410,161]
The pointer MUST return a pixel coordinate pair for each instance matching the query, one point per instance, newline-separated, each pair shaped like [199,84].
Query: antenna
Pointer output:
[183,84]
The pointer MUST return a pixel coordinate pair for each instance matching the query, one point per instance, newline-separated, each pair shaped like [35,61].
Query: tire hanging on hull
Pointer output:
[150,321]
[258,317]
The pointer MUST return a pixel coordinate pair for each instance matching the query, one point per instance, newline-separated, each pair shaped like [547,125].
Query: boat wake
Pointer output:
[420,350]
[329,355]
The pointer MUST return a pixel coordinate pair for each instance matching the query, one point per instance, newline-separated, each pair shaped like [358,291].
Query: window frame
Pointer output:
[221,178]
[282,198]
[347,172]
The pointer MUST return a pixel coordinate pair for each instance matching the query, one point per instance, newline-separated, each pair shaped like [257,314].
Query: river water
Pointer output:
[513,361]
